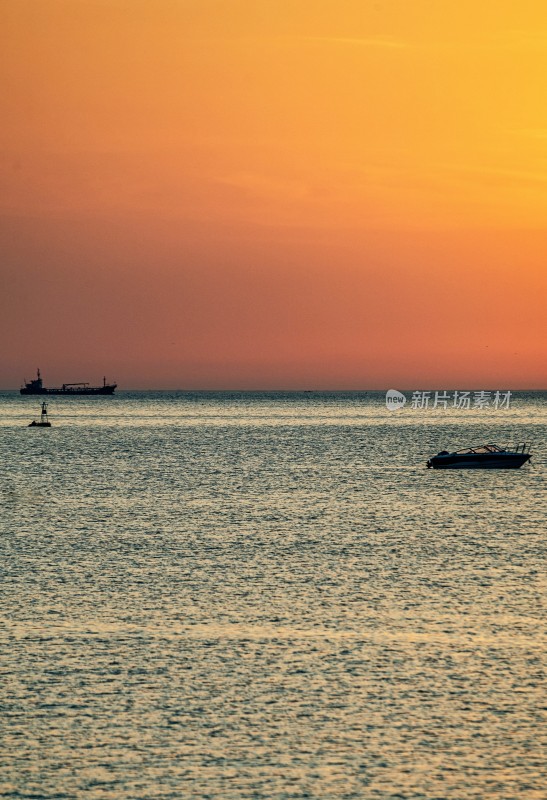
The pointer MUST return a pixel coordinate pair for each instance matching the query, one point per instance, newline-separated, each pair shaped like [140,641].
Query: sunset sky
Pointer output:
[274,193]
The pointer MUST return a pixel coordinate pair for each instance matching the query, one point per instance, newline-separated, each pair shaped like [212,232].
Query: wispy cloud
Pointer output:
[368,41]
[520,39]
[499,40]
[531,133]
[265,187]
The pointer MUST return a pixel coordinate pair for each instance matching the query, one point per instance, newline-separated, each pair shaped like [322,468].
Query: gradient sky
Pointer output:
[274,193]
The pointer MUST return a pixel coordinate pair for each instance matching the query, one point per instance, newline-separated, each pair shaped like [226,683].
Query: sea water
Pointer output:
[268,595]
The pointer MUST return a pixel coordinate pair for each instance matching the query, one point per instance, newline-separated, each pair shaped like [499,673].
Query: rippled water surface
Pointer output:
[269,596]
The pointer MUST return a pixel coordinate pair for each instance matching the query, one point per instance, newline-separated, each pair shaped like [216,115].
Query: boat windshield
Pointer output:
[485,448]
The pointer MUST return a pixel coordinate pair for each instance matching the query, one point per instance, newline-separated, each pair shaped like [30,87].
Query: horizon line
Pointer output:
[301,390]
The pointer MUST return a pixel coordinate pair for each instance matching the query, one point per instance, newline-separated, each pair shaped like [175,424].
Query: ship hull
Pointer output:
[91,390]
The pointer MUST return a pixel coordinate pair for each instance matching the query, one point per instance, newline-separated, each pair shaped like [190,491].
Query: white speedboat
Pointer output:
[487,456]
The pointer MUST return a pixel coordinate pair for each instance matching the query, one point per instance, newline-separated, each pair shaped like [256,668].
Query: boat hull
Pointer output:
[479,461]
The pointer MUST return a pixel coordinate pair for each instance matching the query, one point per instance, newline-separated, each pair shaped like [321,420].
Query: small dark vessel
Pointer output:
[44,422]
[68,389]
[487,456]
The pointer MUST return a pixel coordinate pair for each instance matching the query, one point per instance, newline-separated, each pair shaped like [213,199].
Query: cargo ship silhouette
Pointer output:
[37,387]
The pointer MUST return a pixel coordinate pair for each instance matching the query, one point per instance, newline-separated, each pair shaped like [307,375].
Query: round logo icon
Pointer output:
[395,400]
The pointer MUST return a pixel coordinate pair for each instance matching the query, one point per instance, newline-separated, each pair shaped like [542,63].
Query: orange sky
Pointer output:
[274,193]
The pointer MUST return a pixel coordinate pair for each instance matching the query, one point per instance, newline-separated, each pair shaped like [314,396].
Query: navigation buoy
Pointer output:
[44,422]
